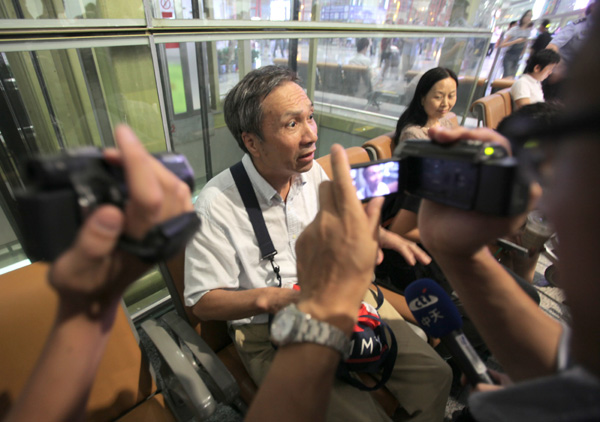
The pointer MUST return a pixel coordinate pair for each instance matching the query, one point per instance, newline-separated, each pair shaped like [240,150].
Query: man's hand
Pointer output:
[409,250]
[461,233]
[337,251]
[273,299]
[91,276]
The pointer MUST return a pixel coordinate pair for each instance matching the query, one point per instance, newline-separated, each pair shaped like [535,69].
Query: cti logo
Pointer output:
[423,301]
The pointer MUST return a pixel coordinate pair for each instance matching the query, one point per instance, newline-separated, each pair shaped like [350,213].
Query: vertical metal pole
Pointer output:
[160,92]
[204,87]
[204,90]
[293,43]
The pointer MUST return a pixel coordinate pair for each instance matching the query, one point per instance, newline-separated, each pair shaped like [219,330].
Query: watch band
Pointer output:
[309,330]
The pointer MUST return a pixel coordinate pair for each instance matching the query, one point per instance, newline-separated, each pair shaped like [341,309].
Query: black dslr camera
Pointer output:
[470,175]
[63,189]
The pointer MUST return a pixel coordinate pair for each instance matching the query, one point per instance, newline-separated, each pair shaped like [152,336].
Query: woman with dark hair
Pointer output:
[434,97]
[516,41]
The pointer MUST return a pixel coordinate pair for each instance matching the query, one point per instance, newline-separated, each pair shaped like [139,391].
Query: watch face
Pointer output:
[283,326]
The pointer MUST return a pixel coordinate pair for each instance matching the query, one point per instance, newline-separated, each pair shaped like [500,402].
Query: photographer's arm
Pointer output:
[90,278]
[517,331]
[336,254]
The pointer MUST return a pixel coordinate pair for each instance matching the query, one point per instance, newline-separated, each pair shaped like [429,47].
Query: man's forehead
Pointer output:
[287,98]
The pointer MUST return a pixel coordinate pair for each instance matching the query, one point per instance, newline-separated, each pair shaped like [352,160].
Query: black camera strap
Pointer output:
[244,186]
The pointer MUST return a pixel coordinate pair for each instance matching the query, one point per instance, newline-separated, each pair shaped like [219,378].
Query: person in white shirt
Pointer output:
[272,119]
[528,89]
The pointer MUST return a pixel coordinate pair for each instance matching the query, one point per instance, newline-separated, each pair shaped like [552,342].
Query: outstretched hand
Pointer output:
[337,251]
[92,275]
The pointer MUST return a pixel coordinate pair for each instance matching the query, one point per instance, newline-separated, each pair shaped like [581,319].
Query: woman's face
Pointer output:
[440,99]
[526,19]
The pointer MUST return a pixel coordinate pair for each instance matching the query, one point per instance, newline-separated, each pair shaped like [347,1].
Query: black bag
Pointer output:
[372,351]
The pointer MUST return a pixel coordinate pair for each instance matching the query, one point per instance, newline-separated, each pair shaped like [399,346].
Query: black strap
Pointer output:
[244,186]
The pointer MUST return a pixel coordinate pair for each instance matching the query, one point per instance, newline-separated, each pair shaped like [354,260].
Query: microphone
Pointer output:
[438,316]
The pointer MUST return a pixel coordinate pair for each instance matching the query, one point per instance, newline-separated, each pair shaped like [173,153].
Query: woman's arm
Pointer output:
[522,102]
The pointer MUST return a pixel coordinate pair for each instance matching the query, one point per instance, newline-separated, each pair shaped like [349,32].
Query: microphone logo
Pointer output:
[422,301]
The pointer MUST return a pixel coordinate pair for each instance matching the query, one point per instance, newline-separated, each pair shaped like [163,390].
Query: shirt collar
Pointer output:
[264,191]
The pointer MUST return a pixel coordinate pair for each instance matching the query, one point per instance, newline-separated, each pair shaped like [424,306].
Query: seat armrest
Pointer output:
[188,384]
[221,378]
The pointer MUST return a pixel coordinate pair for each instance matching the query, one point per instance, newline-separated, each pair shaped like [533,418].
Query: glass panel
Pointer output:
[71,9]
[56,99]
[458,13]
[357,95]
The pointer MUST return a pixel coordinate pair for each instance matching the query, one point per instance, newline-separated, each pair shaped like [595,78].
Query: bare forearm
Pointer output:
[226,305]
[521,102]
[61,381]
[305,372]
[518,332]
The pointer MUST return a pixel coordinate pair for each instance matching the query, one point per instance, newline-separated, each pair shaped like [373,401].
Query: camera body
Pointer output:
[63,189]
[469,175]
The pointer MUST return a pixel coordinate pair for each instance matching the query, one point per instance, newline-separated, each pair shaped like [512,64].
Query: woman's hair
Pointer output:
[523,17]
[415,113]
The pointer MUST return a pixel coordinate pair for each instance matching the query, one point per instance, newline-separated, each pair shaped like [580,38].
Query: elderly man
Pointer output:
[272,120]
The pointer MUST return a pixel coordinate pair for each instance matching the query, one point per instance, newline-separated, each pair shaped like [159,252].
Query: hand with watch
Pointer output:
[336,256]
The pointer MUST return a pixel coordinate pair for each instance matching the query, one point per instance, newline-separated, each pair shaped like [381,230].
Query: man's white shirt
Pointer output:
[224,253]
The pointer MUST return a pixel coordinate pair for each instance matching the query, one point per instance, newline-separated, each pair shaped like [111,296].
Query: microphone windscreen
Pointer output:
[432,308]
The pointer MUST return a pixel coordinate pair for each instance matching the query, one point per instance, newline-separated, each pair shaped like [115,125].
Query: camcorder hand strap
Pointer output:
[164,240]
[244,186]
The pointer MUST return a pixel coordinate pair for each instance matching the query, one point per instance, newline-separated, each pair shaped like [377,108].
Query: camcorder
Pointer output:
[63,189]
[469,175]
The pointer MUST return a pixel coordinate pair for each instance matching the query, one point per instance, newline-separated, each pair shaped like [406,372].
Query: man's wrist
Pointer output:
[343,318]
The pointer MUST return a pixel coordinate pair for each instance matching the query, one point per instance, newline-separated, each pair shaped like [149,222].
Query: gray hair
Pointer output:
[243,104]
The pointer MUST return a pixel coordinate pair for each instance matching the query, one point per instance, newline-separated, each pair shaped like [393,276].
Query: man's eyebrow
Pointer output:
[296,112]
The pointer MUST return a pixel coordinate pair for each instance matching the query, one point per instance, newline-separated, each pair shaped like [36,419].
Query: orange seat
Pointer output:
[503,83]
[355,155]
[380,147]
[490,109]
[508,102]
[123,388]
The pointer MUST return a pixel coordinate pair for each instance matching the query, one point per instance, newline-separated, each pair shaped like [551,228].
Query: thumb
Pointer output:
[99,234]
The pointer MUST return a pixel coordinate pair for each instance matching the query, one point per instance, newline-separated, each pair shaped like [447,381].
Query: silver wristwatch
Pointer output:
[291,325]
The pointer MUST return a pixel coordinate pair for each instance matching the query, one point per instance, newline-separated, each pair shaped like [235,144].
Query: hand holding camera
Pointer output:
[92,273]
[65,189]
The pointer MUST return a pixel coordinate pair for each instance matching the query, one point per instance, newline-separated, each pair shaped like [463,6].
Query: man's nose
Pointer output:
[310,132]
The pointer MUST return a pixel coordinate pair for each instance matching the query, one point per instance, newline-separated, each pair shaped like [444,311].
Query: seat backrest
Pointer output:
[381,146]
[357,80]
[355,155]
[27,310]
[492,109]
[508,105]
[331,77]
[214,333]
[503,83]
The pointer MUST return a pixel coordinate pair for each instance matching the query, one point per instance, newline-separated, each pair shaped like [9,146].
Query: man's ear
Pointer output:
[537,68]
[251,142]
